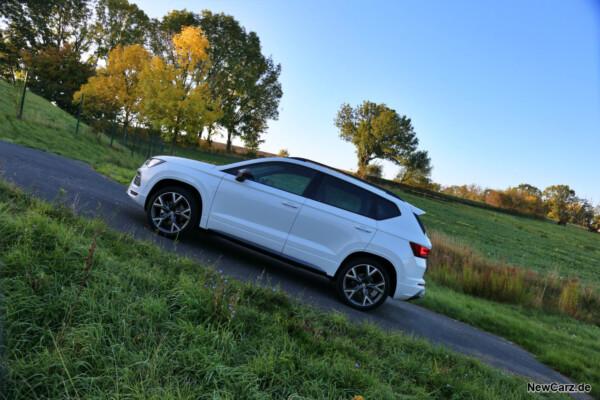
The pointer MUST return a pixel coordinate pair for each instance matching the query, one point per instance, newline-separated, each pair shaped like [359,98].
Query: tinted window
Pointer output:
[344,195]
[385,209]
[285,176]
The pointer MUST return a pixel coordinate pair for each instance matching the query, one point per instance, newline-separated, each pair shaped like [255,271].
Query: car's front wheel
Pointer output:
[363,283]
[173,211]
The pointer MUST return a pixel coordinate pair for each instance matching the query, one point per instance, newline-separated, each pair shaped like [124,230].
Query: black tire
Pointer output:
[173,211]
[360,290]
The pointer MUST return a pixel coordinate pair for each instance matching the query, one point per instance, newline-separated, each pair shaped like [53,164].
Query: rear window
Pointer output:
[385,209]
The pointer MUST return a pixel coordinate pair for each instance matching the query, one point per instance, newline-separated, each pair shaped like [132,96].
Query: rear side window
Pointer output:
[385,209]
[344,195]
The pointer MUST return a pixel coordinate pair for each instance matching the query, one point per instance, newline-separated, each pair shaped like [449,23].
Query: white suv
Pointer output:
[367,239]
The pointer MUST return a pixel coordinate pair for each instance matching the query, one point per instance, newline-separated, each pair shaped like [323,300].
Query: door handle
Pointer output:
[363,228]
[290,204]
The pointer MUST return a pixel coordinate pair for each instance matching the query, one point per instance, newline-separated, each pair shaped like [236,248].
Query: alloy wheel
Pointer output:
[171,213]
[364,285]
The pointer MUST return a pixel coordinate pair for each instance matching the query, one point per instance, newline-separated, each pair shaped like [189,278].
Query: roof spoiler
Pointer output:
[416,210]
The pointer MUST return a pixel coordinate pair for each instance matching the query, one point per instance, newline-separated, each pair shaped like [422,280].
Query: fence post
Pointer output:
[79,114]
[112,136]
[133,143]
[149,142]
[23,96]
[125,134]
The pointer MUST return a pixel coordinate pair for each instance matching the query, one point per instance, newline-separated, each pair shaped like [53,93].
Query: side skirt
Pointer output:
[264,250]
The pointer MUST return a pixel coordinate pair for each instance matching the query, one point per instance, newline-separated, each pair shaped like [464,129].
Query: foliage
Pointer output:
[558,202]
[377,131]
[9,58]
[161,32]
[38,24]
[245,81]
[118,22]
[116,87]
[415,167]
[558,198]
[375,170]
[175,96]
[581,211]
[283,153]
[56,74]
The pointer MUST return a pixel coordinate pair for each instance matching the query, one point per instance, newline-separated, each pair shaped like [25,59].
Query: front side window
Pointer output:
[344,195]
[284,176]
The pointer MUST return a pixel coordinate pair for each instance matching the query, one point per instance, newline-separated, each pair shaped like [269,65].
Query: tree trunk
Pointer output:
[363,162]
[229,132]
[174,140]
[208,136]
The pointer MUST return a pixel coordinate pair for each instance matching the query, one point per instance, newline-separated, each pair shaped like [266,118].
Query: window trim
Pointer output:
[233,171]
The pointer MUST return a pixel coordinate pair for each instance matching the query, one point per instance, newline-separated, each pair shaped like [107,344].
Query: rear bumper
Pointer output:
[410,292]
[418,295]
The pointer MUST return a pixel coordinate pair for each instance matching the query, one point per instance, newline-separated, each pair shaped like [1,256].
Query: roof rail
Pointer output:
[348,175]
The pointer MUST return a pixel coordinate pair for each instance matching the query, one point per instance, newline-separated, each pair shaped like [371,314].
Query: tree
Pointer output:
[530,189]
[375,170]
[9,58]
[245,81]
[415,167]
[558,199]
[38,24]
[56,74]
[161,32]
[116,87]
[596,219]
[118,22]
[377,131]
[581,212]
[174,96]
[283,153]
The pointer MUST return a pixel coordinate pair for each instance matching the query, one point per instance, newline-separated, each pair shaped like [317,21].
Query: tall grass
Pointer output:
[454,265]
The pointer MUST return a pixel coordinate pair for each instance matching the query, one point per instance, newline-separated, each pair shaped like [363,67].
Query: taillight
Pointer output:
[419,251]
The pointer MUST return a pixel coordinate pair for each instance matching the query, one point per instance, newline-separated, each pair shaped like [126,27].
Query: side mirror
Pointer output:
[244,174]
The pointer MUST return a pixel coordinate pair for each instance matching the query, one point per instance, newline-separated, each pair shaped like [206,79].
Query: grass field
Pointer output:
[544,247]
[534,244]
[111,317]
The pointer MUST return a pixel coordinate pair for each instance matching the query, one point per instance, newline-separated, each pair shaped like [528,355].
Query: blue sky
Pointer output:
[499,93]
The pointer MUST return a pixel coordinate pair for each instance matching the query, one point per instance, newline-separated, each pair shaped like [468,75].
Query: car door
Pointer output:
[332,224]
[260,210]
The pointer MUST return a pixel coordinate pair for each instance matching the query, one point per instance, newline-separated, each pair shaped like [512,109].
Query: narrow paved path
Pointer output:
[43,175]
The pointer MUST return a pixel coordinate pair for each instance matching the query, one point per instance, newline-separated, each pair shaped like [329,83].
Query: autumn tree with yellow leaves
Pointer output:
[116,87]
[174,95]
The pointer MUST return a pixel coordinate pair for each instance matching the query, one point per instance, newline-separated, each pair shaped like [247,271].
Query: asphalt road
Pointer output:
[92,194]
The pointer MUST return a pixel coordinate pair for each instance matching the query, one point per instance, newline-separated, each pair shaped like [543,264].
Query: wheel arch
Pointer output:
[163,183]
[384,262]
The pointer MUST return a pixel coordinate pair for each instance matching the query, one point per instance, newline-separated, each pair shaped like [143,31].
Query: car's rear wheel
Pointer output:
[173,211]
[363,283]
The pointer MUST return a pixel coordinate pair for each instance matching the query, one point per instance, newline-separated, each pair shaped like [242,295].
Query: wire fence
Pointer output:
[109,128]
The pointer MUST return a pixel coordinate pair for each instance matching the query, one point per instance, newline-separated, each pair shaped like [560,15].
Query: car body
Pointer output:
[367,239]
